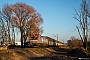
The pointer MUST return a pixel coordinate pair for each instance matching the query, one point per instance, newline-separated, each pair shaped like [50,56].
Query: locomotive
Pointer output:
[35,40]
[38,40]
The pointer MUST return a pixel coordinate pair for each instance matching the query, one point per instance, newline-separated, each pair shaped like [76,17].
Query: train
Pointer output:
[38,40]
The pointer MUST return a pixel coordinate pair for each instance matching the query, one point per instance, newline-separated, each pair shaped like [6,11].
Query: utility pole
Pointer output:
[56,39]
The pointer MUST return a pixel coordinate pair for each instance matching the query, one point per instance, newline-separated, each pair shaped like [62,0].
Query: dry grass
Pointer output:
[39,53]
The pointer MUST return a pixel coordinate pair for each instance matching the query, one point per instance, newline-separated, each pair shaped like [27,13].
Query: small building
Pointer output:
[18,43]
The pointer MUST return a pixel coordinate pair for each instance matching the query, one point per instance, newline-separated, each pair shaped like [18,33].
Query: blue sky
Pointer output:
[57,16]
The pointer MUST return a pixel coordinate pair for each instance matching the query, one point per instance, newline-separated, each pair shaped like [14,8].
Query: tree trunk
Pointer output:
[21,39]
[85,43]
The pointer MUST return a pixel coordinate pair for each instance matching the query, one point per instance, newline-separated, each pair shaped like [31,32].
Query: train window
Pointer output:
[34,37]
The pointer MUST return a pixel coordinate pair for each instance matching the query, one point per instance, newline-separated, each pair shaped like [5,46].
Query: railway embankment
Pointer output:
[39,53]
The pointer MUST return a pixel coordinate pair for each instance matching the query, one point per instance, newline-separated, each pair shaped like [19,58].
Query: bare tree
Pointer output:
[82,17]
[74,42]
[2,28]
[72,38]
[6,16]
[27,19]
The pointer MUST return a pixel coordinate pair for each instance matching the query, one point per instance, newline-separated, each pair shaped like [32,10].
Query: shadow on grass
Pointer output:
[73,52]
[64,54]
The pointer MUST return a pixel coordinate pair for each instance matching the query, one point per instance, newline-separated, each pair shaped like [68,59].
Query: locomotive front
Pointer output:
[35,40]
